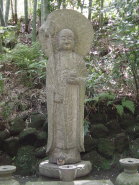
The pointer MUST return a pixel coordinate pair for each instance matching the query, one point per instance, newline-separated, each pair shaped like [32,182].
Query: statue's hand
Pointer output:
[73,79]
[58,98]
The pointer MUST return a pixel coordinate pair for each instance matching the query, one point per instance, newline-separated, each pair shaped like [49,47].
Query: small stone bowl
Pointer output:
[130,164]
[7,171]
[67,172]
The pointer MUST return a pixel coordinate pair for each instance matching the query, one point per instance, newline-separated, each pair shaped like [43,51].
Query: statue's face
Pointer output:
[66,40]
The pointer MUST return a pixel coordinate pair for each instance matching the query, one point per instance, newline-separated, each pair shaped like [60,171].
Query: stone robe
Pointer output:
[65,104]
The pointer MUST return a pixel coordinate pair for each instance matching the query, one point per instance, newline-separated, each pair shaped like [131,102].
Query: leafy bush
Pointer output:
[110,99]
[30,61]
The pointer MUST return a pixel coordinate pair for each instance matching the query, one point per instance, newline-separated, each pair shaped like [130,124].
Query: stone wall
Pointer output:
[109,138]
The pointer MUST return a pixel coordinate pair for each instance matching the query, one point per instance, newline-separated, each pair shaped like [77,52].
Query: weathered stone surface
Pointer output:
[6,172]
[113,126]
[127,121]
[79,182]
[66,74]
[41,139]
[133,131]
[40,152]
[98,118]
[28,136]
[4,134]
[98,162]
[134,148]
[11,145]
[52,170]
[106,147]
[89,143]
[37,120]
[5,159]
[121,142]
[25,160]
[17,125]
[127,179]
[99,131]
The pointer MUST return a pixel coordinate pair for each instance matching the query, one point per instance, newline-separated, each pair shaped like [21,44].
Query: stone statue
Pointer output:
[66,74]
[66,37]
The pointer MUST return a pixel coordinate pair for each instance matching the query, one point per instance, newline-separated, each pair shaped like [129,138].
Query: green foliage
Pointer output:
[30,61]
[114,60]
[106,96]
[6,109]
[120,109]
[129,105]
[1,83]
[9,36]
[86,127]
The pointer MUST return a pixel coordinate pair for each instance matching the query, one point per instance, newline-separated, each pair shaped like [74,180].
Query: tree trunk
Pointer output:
[15,10]
[1,5]
[2,18]
[44,10]
[26,14]
[12,8]
[0,44]
[90,9]
[101,13]
[7,11]
[64,4]
[82,6]
[58,3]
[34,21]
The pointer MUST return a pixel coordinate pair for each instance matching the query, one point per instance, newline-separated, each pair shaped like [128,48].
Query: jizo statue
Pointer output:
[66,38]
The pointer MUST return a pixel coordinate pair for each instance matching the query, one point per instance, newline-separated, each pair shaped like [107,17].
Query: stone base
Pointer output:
[81,182]
[52,170]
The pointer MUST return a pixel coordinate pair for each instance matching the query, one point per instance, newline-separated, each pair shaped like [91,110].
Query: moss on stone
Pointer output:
[106,147]
[25,160]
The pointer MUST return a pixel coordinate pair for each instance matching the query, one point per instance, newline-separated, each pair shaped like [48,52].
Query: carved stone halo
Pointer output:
[66,19]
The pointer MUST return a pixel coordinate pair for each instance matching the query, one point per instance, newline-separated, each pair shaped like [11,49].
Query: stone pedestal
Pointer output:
[52,170]
[81,182]
[6,177]
[130,176]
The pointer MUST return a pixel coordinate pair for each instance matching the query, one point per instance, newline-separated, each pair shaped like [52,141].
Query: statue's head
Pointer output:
[66,40]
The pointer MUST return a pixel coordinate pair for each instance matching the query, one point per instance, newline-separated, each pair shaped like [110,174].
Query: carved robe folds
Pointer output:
[65,101]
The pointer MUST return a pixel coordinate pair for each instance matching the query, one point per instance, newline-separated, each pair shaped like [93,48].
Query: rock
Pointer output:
[37,121]
[17,125]
[11,145]
[106,147]
[99,131]
[98,118]
[133,131]
[28,136]
[45,126]
[121,142]
[25,160]
[134,148]
[128,120]
[41,139]
[2,124]
[4,134]
[5,159]
[40,152]
[89,143]
[98,162]
[113,126]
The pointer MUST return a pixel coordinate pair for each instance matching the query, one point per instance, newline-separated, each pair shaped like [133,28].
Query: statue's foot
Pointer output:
[64,156]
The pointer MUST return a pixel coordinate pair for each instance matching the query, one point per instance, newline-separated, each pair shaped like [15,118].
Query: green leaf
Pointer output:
[129,105]
[120,109]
